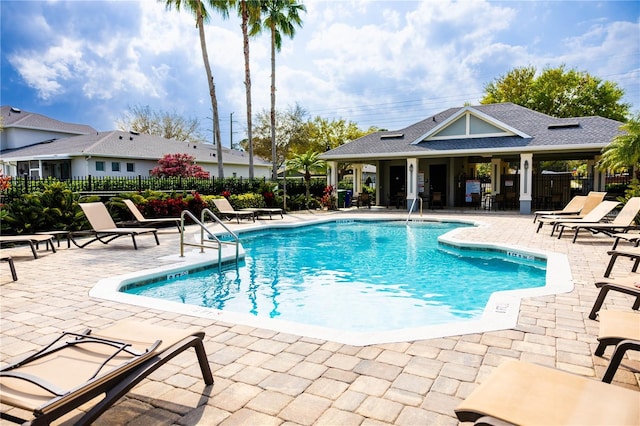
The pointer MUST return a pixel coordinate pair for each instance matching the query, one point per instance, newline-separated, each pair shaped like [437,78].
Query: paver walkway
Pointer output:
[264,377]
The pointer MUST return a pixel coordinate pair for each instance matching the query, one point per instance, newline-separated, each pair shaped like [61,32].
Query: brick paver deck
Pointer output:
[264,377]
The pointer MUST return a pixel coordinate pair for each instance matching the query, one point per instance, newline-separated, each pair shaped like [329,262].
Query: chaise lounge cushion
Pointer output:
[522,393]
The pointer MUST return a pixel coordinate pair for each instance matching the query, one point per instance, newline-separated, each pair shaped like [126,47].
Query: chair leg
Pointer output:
[616,358]
[12,267]
[599,301]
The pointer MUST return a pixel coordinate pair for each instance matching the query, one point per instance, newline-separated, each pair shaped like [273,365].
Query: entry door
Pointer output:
[398,177]
[438,180]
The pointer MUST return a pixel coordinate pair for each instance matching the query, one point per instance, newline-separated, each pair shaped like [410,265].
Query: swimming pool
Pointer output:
[392,273]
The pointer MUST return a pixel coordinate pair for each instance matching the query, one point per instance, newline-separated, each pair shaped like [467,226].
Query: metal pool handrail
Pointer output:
[213,237]
[412,206]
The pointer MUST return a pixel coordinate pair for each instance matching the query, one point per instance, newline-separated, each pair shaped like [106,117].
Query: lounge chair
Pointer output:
[104,229]
[572,208]
[624,221]
[33,240]
[594,216]
[632,237]
[593,200]
[519,392]
[139,217]
[225,209]
[623,330]
[627,285]
[632,253]
[78,367]
[264,210]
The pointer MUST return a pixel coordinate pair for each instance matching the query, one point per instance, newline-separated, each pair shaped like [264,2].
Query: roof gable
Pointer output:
[469,123]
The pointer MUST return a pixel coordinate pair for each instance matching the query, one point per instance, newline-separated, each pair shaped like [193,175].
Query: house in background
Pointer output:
[42,147]
[436,158]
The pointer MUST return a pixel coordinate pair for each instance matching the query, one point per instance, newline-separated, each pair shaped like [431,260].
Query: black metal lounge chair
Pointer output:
[621,329]
[627,285]
[78,367]
[519,392]
[141,220]
[104,228]
[623,222]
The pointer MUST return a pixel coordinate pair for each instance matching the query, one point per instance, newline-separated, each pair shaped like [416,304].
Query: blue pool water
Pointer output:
[355,275]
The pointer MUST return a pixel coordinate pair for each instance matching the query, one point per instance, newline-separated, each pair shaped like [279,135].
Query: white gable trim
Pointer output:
[432,134]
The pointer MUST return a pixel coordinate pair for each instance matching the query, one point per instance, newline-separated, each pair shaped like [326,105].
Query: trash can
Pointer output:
[348,198]
[342,193]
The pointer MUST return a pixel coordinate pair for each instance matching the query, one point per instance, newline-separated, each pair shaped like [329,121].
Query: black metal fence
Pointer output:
[113,185]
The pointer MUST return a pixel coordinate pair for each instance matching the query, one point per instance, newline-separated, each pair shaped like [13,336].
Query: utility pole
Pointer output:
[231,130]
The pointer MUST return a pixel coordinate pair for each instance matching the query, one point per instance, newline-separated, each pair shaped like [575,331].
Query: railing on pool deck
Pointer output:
[212,237]
[413,204]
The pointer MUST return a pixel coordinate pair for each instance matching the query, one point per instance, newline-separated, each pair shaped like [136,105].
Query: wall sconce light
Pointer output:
[411,168]
[526,165]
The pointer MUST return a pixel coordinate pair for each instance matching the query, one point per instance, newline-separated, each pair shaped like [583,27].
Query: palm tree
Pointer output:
[307,162]
[624,149]
[249,11]
[281,17]
[202,15]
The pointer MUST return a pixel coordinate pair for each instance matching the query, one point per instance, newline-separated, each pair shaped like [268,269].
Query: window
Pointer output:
[115,166]
[131,167]
[99,166]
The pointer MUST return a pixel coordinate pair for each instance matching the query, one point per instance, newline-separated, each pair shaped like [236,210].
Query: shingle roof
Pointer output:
[591,132]
[15,117]
[120,144]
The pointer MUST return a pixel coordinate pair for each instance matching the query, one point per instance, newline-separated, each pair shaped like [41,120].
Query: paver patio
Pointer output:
[264,377]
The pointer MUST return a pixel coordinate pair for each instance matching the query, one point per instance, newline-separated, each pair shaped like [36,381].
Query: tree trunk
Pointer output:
[274,172]
[212,91]
[247,81]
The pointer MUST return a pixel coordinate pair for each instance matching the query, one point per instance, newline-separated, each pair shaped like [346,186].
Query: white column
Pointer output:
[332,173]
[412,182]
[357,179]
[526,176]
[599,177]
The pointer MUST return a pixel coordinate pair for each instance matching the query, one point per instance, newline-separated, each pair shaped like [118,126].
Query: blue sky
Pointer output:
[377,63]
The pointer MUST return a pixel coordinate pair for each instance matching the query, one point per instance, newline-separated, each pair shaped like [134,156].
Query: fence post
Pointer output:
[89,181]
[26,183]
[139,183]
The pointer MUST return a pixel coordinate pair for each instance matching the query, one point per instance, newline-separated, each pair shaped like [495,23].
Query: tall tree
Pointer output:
[624,149]
[559,92]
[170,125]
[280,17]
[197,8]
[249,11]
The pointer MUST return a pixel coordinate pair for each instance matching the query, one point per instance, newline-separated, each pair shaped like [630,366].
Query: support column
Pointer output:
[332,173]
[526,176]
[496,175]
[599,177]
[357,180]
[412,183]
